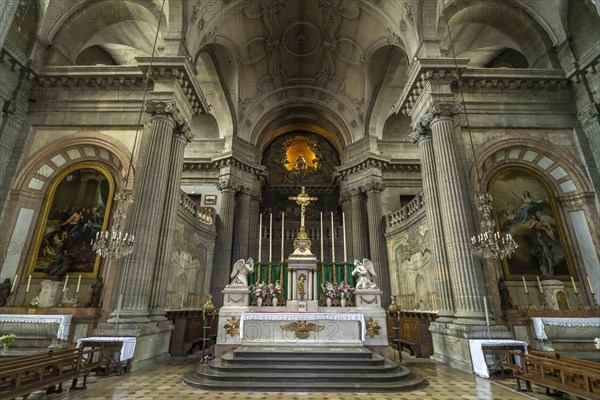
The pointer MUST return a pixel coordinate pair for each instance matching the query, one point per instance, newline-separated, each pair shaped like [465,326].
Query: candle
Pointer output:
[322,237]
[590,283]
[332,241]
[14,283]
[259,236]
[78,284]
[28,284]
[540,285]
[270,237]
[344,234]
[574,286]
[525,285]
[487,314]
[65,285]
[282,235]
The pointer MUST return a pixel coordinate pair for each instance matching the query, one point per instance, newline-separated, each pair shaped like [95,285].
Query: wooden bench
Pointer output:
[24,375]
[558,375]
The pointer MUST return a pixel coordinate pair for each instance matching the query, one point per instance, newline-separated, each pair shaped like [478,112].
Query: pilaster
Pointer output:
[346,203]
[242,231]
[358,225]
[376,236]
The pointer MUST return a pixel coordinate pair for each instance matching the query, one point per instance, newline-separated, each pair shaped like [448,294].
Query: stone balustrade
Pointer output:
[201,214]
[406,212]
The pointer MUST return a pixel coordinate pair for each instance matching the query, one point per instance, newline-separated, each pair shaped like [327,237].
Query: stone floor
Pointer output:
[163,381]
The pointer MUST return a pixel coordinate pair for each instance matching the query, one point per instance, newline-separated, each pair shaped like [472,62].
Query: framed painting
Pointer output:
[77,206]
[210,200]
[525,208]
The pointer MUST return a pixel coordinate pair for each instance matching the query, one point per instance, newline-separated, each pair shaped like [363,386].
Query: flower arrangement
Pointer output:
[6,340]
[597,342]
[34,303]
[330,290]
[344,290]
[275,290]
[258,290]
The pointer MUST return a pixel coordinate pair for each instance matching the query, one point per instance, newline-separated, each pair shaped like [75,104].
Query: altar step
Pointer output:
[303,369]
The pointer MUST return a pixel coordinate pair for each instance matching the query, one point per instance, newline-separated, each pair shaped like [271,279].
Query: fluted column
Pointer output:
[242,225]
[8,10]
[223,263]
[150,192]
[182,137]
[346,203]
[431,198]
[454,203]
[376,237]
[253,228]
[359,249]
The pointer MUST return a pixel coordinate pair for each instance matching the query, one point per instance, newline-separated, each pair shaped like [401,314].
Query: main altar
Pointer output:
[304,315]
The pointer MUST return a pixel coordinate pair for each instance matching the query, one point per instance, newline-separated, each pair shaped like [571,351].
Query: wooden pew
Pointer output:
[29,374]
[558,375]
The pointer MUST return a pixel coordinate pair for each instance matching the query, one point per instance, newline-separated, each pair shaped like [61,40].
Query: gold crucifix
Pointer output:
[303,200]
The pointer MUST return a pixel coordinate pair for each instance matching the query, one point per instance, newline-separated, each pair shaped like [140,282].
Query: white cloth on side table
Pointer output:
[476,346]
[540,323]
[127,350]
[64,321]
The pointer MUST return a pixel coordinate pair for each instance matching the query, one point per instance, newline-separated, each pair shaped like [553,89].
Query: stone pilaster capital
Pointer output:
[373,187]
[228,185]
[355,193]
[345,195]
[419,133]
[441,109]
[590,112]
[184,132]
[169,110]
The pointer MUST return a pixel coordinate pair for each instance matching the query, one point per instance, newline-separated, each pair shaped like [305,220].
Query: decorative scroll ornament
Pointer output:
[372,327]
[302,329]
[232,327]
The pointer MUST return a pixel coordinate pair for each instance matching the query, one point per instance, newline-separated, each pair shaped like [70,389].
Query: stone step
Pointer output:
[303,352]
[319,367]
[230,358]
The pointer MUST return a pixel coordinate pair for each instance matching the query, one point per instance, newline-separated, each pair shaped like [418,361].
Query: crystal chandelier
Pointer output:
[489,244]
[116,243]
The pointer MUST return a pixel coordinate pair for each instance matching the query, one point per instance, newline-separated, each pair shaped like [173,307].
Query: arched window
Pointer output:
[76,209]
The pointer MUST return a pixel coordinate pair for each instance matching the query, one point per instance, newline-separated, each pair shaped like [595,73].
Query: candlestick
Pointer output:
[540,285]
[270,237]
[282,235]
[525,285]
[12,288]
[78,284]
[28,284]
[591,287]
[259,236]
[65,285]
[487,315]
[332,240]
[322,238]
[344,234]
[574,286]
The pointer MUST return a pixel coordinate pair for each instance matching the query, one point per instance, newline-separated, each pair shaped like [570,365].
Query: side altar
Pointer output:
[301,320]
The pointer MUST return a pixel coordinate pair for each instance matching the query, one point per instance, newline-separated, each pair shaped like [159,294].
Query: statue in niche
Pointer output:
[505,302]
[4,291]
[240,272]
[365,271]
[300,162]
[95,292]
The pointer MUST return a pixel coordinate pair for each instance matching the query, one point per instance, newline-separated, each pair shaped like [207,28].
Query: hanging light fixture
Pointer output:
[489,244]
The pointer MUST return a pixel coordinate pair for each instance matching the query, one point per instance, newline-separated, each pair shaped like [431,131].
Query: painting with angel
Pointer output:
[525,207]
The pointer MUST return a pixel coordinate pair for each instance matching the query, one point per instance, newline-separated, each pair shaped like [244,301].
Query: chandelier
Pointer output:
[116,243]
[490,244]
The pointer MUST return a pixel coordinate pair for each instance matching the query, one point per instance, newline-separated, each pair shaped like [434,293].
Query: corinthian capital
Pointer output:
[183,131]
[419,133]
[228,185]
[166,109]
[442,109]
[373,187]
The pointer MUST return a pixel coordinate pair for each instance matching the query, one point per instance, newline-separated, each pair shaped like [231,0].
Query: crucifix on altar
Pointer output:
[302,263]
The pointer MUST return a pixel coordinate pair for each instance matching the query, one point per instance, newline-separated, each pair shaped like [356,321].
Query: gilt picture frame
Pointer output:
[525,207]
[210,200]
[77,206]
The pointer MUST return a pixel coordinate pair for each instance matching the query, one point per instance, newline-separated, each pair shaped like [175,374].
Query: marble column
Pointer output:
[223,265]
[242,225]
[253,228]
[150,193]
[456,218]
[346,203]
[181,138]
[359,240]
[377,244]
[431,198]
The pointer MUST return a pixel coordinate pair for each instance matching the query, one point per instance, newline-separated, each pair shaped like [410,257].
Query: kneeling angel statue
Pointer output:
[240,272]
[365,272]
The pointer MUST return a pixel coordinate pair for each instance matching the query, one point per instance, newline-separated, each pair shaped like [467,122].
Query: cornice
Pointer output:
[365,162]
[228,159]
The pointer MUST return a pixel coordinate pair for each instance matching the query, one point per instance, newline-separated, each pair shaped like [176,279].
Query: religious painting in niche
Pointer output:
[210,200]
[524,208]
[76,208]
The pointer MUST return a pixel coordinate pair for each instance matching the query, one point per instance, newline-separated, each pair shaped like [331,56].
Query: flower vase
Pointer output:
[275,301]
[5,347]
[31,311]
[343,302]
[329,300]
[259,301]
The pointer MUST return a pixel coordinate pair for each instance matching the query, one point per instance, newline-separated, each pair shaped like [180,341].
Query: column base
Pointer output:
[445,316]
[129,317]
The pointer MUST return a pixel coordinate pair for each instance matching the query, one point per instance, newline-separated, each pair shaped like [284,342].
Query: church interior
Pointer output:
[349,195]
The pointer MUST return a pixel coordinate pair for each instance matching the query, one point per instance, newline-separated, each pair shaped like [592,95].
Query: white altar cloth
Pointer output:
[303,316]
[476,346]
[540,323]
[64,321]
[127,350]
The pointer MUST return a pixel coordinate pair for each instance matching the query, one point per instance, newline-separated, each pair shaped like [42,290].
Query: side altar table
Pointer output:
[316,329]
[25,326]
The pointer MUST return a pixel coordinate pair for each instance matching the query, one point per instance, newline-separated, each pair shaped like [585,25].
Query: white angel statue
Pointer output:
[240,272]
[365,272]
